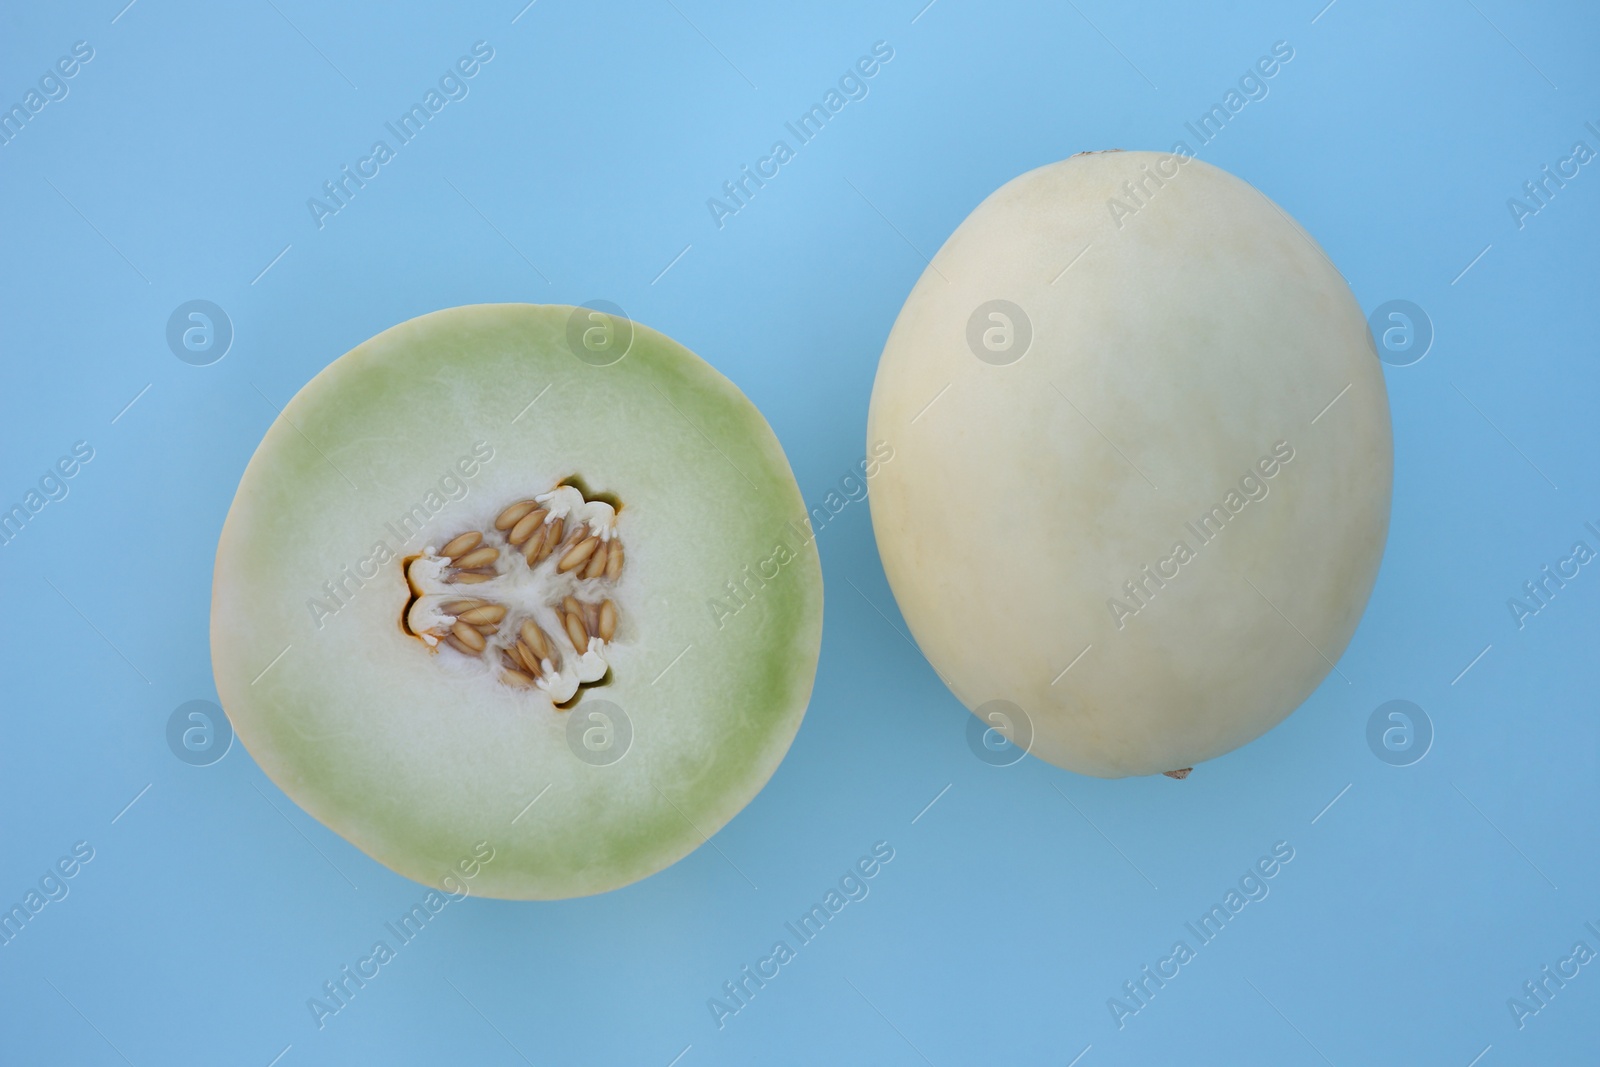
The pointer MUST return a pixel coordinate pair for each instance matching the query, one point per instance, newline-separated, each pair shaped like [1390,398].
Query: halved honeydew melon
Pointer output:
[472,597]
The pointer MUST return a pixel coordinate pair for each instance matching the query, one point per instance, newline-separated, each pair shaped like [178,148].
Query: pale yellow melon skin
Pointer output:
[1193,335]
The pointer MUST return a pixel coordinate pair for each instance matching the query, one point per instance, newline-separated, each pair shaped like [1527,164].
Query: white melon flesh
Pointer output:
[1180,336]
[418,753]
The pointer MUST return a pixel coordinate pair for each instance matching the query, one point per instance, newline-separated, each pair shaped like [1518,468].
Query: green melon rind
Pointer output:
[358,726]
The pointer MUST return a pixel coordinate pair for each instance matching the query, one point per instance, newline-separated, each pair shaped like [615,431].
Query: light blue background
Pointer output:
[179,167]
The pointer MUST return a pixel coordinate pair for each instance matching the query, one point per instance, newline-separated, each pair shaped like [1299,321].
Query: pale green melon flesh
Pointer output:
[1177,339]
[416,763]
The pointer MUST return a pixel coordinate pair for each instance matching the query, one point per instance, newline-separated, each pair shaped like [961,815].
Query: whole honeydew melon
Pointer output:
[459,607]
[1143,463]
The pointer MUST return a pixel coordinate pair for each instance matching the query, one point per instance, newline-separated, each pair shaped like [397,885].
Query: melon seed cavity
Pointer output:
[529,599]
